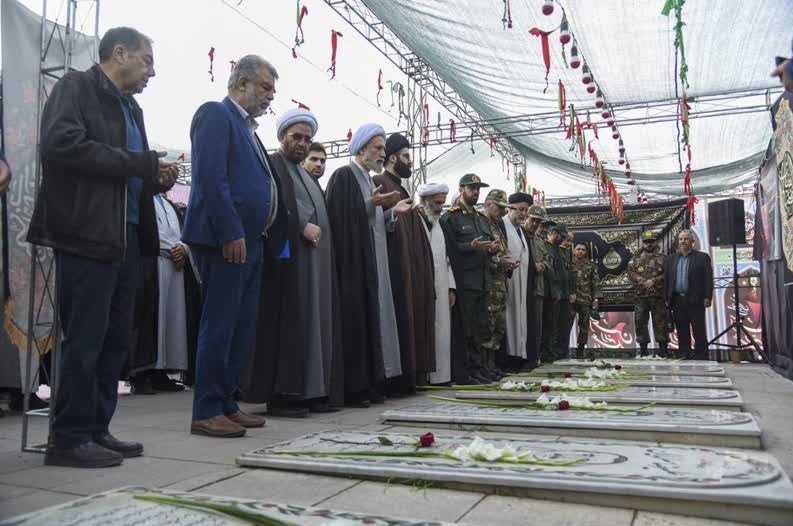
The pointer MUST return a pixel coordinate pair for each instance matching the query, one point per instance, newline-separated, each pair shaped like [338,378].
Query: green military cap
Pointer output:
[536,212]
[649,235]
[474,180]
[558,227]
[497,196]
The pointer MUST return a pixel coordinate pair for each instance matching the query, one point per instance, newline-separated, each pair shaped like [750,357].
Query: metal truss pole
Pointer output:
[42,261]
[417,133]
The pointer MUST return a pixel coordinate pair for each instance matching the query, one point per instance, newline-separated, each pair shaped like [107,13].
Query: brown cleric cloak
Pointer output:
[413,287]
[277,365]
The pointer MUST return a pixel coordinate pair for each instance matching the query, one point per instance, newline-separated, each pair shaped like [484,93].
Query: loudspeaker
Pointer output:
[726,222]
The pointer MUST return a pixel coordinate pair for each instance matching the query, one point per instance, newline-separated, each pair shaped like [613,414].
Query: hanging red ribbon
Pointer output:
[426,121]
[349,135]
[379,86]
[211,64]
[492,145]
[562,104]
[507,18]
[546,52]
[543,198]
[233,64]
[334,46]
[687,182]
[690,206]
[452,130]
[180,158]
[301,105]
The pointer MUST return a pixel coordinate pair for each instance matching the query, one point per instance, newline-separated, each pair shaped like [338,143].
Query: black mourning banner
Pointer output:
[612,245]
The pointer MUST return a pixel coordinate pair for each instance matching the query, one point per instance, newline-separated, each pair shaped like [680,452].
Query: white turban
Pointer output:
[429,189]
[363,135]
[296,116]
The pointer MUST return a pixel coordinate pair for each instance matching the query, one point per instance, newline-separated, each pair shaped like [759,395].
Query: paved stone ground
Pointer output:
[175,459]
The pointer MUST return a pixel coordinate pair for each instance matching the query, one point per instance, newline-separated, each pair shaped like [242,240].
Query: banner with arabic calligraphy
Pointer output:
[783,148]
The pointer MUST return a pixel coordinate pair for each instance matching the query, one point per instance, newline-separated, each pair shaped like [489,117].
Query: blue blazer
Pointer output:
[230,194]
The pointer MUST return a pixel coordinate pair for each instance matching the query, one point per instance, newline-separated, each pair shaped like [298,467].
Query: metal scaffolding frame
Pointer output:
[42,260]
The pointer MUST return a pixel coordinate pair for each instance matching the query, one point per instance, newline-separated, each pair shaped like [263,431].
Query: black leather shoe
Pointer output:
[167,386]
[376,398]
[141,387]
[358,404]
[87,455]
[127,449]
[288,411]
[322,407]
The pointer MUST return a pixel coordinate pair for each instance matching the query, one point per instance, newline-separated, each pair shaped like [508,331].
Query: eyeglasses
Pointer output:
[300,137]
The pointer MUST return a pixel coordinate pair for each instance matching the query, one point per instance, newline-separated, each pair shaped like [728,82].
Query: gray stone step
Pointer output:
[701,481]
[654,380]
[675,370]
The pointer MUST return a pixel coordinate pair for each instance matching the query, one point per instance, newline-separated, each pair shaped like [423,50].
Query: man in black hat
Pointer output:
[412,274]
[474,241]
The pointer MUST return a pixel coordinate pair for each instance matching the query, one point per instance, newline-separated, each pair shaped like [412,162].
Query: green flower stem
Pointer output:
[232,511]
[545,407]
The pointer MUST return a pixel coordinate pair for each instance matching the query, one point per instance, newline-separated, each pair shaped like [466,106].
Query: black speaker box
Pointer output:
[726,222]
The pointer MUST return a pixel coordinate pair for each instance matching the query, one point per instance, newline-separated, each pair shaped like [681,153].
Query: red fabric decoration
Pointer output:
[233,64]
[546,51]
[452,130]
[690,205]
[379,85]
[299,36]
[349,135]
[687,182]
[562,103]
[301,105]
[426,121]
[492,145]
[211,64]
[595,129]
[180,158]
[334,45]
[507,19]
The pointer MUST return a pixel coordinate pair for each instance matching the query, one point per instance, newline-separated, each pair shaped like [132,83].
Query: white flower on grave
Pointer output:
[652,357]
[577,401]
[594,372]
[571,384]
[508,385]
[543,399]
[480,450]
[516,386]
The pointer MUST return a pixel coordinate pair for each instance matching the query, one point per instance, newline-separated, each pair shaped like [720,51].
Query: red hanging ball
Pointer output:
[628,169]
[622,157]
[606,114]
[614,133]
[575,60]
[610,121]
[591,87]
[600,101]
[586,77]
[622,147]
[564,32]
[547,7]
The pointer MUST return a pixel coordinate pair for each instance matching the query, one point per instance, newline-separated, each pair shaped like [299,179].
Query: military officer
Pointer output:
[476,245]
[553,294]
[568,294]
[539,252]
[501,267]
[646,272]
[587,294]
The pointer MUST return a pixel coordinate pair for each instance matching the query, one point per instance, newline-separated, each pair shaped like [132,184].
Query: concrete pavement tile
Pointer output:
[143,471]
[32,501]
[200,481]
[513,511]
[646,518]
[400,500]
[11,461]
[281,486]
[184,446]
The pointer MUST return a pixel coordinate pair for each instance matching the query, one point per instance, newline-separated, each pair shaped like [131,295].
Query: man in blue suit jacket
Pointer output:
[234,206]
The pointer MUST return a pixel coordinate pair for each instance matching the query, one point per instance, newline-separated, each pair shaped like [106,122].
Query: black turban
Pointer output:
[393,144]
[521,197]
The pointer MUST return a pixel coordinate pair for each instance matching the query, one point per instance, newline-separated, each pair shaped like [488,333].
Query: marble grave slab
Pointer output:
[120,508]
[674,370]
[701,481]
[709,382]
[723,399]
[635,361]
[656,424]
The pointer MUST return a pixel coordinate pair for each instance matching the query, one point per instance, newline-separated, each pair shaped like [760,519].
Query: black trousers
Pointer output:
[550,333]
[690,318]
[96,301]
[477,326]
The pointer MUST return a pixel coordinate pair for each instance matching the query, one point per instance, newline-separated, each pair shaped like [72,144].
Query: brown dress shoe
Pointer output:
[217,426]
[246,420]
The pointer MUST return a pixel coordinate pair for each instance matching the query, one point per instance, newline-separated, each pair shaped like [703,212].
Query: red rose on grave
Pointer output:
[545,388]
[568,375]
[591,359]
[426,440]
[564,405]
[618,367]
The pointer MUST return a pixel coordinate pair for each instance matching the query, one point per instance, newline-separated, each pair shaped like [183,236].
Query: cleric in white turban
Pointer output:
[368,319]
[296,116]
[428,189]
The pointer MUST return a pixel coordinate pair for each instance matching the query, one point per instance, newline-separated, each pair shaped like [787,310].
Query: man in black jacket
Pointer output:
[95,209]
[688,277]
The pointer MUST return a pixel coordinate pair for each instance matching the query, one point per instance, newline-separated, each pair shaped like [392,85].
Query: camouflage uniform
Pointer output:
[497,295]
[551,303]
[586,292]
[562,348]
[643,266]
[540,255]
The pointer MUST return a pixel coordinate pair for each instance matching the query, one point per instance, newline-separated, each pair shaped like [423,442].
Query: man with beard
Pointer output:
[315,162]
[432,197]
[587,294]
[410,262]
[646,272]
[533,228]
[370,340]
[296,363]
[475,243]
[234,204]
[568,294]
[518,293]
[553,294]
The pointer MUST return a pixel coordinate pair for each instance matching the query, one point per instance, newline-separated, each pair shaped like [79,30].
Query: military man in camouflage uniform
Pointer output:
[476,245]
[587,294]
[554,289]
[501,266]
[646,272]
[568,295]
[531,229]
